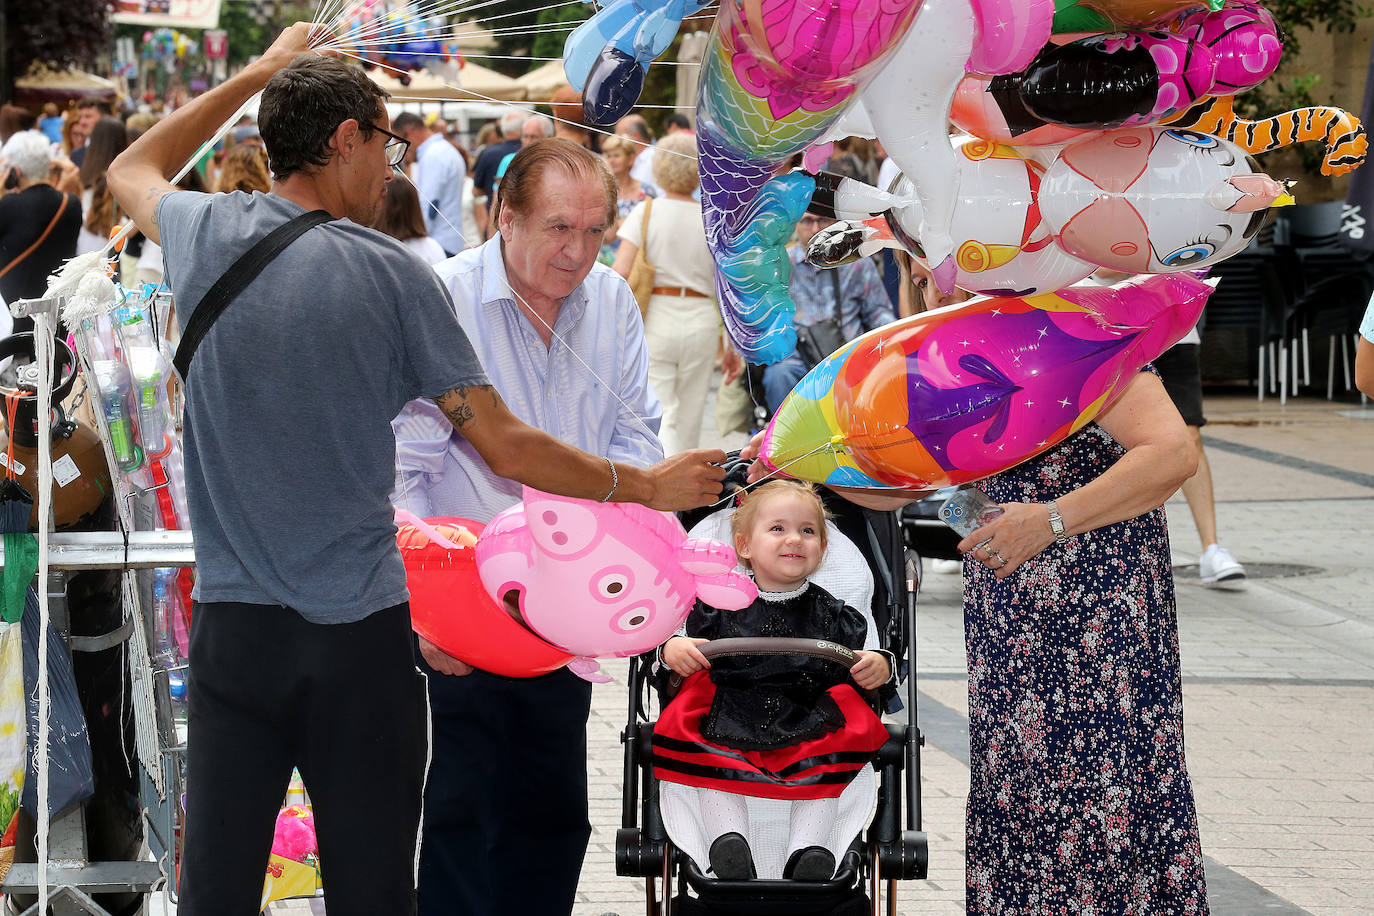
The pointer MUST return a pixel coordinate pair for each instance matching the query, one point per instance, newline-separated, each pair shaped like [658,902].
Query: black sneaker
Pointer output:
[731,859]
[814,863]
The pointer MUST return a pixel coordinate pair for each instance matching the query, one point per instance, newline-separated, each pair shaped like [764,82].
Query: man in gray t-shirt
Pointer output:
[300,644]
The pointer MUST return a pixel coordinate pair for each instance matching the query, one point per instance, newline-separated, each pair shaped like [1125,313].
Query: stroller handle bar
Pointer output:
[773,645]
[766,645]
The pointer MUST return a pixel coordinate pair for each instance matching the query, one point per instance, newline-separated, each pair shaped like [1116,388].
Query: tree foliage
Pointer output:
[70,33]
[555,25]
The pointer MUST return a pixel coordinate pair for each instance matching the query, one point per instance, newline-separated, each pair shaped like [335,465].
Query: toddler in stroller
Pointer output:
[787,728]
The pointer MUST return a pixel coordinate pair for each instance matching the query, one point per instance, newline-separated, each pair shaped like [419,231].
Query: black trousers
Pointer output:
[506,823]
[345,704]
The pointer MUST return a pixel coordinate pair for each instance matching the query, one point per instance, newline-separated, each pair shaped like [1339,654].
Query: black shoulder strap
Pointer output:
[232,282]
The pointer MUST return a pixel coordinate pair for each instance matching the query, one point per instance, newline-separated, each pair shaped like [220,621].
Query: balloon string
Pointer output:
[509,104]
[777,470]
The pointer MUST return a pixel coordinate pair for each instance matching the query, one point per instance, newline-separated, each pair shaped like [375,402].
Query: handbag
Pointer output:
[817,341]
[61,208]
[641,278]
[234,280]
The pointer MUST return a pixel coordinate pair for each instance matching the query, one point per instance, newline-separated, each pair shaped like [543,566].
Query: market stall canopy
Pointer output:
[474,83]
[542,82]
[471,36]
[61,86]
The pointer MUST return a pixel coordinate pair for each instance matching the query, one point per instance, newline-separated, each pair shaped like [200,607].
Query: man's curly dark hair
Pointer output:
[304,103]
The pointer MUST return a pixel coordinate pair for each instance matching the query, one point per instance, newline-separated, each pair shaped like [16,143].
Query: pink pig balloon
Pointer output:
[604,579]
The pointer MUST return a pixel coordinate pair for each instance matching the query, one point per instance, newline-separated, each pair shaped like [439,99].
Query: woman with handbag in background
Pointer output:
[38,223]
[665,237]
[834,305]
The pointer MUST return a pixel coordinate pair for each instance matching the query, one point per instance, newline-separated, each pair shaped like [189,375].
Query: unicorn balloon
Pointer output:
[1140,200]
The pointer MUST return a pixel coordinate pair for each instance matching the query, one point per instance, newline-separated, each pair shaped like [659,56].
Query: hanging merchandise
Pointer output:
[129,370]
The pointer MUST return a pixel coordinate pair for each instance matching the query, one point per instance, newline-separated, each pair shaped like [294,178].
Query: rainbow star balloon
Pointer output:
[960,393]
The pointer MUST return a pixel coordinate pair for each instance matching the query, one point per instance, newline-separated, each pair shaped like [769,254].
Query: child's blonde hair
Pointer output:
[748,510]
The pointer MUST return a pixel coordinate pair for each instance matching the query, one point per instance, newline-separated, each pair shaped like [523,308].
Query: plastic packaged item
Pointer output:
[968,510]
[115,388]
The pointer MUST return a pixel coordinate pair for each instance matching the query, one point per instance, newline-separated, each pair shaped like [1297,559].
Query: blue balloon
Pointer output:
[601,54]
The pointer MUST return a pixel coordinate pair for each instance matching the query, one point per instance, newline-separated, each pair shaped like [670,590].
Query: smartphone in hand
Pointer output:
[967,510]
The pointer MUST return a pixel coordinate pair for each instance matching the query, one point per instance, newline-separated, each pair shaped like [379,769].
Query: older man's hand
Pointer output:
[441,661]
[687,480]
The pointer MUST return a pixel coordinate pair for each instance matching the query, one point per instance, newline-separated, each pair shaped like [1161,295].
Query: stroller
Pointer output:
[893,847]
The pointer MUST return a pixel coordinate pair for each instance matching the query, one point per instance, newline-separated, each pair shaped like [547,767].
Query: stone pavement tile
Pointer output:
[1296,827]
[1328,898]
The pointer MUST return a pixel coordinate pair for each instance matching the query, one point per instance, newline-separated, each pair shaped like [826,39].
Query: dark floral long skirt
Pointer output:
[1080,801]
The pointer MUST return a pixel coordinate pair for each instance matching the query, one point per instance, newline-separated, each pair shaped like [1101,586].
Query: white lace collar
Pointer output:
[785,596]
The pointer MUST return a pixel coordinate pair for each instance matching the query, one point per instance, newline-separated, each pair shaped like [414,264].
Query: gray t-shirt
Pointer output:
[290,458]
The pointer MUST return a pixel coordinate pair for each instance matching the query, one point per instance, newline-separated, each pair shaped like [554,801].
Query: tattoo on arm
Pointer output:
[457,403]
[155,194]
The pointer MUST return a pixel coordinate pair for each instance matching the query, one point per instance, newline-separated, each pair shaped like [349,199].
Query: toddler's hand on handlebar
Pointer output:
[682,655]
[871,671]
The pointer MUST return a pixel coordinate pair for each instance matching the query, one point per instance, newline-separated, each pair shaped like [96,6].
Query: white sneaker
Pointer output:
[1217,566]
[947,567]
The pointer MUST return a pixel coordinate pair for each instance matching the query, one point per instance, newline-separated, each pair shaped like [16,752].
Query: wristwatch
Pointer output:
[1057,523]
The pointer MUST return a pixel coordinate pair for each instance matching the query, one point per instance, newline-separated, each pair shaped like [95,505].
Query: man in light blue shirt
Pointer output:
[439,175]
[563,343]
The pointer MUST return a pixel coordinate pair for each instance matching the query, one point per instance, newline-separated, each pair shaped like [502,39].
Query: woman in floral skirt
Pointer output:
[1080,800]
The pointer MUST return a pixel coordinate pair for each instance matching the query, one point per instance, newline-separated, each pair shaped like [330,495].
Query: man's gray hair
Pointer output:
[512,121]
[30,152]
[545,124]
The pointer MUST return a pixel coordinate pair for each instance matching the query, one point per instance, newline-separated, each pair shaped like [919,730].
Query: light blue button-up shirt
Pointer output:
[605,407]
[439,175]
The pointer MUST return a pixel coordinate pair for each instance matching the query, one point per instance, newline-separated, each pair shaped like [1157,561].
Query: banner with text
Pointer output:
[177,14]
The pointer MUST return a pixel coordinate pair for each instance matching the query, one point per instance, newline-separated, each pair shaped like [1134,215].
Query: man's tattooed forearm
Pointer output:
[456,403]
[155,193]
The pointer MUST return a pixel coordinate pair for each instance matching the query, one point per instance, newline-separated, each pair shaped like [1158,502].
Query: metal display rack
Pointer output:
[71,876]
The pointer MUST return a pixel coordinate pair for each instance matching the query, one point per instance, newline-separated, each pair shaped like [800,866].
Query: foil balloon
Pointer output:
[449,607]
[603,579]
[779,77]
[960,393]
[1346,142]
[1140,200]
[1127,78]
[606,57]
[394,34]
[1081,16]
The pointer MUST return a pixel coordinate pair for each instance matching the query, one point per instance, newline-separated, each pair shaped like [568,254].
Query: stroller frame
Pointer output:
[894,847]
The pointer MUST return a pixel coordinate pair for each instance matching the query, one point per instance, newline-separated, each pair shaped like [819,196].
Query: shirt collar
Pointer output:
[429,141]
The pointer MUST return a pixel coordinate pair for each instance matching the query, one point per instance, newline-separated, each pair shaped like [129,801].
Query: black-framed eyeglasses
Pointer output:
[395,149]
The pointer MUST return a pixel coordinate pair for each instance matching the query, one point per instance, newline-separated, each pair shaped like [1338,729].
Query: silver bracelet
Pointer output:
[615,482]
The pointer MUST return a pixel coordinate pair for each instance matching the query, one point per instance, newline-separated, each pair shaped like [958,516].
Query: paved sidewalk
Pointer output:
[1278,681]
